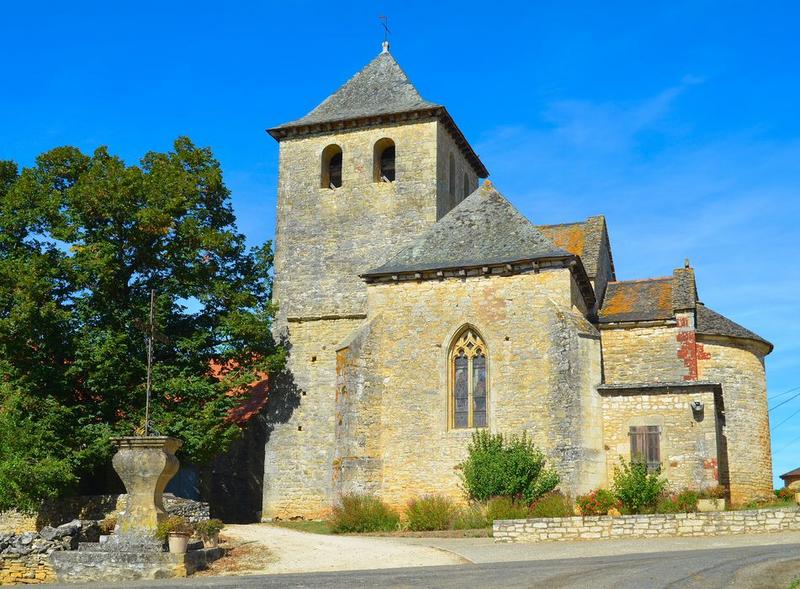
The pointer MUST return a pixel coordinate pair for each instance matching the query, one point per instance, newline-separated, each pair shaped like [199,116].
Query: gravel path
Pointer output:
[303,552]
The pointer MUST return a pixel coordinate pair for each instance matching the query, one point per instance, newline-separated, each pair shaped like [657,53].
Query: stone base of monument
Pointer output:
[112,561]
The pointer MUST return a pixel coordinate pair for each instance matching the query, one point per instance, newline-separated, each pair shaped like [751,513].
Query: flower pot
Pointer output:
[705,505]
[178,543]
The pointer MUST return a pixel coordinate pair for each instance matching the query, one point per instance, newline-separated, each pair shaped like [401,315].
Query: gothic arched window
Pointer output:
[332,167]
[468,391]
[384,161]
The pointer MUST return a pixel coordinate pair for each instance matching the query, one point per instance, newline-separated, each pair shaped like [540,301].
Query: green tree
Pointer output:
[83,240]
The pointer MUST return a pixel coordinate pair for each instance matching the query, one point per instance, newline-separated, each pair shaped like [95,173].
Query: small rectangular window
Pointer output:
[646,445]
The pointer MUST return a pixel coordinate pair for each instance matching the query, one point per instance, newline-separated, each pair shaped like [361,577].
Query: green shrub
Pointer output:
[471,517]
[209,529]
[552,504]
[597,502]
[637,489]
[506,508]
[667,504]
[687,501]
[786,493]
[505,466]
[431,512]
[363,513]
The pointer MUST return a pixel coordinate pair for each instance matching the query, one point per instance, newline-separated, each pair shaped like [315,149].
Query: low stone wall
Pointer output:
[14,522]
[92,507]
[721,523]
[32,569]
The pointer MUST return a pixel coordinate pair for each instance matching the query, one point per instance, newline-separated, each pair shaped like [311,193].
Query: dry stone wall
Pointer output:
[28,570]
[723,523]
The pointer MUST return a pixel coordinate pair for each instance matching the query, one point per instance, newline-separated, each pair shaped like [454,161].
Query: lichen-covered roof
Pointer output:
[484,229]
[382,87]
[710,322]
[584,239]
[638,300]
[658,299]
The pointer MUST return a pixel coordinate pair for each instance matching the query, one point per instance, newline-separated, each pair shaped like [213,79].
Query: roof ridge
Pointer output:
[654,279]
[380,87]
[484,228]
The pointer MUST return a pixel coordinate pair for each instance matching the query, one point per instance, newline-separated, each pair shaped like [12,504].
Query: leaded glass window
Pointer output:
[468,382]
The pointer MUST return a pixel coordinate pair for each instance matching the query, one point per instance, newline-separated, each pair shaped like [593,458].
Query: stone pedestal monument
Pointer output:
[145,465]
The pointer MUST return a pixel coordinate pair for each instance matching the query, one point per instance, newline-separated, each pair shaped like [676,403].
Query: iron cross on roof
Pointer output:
[150,331]
[385,22]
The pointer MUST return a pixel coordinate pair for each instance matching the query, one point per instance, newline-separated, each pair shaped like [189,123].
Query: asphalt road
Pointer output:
[757,567]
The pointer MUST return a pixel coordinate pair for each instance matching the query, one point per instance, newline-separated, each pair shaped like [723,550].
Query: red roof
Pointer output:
[251,398]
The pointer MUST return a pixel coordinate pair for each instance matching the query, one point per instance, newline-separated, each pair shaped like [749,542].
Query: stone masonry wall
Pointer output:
[12,521]
[642,354]
[447,196]
[538,348]
[300,449]
[689,454]
[325,238]
[724,523]
[740,370]
[33,569]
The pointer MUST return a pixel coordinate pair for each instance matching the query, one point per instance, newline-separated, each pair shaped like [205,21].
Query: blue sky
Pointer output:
[677,120]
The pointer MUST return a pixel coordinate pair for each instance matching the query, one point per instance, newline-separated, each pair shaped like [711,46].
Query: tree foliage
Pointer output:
[83,240]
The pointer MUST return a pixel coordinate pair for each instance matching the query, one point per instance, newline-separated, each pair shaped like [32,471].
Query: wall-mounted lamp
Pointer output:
[697,406]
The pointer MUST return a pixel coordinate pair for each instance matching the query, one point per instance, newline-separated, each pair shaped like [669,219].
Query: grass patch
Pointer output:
[795,584]
[310,526]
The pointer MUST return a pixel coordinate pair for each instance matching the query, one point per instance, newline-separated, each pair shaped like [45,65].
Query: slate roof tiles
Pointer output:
[484,229]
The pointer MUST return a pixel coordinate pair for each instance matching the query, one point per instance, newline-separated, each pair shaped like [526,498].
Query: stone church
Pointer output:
[419,305]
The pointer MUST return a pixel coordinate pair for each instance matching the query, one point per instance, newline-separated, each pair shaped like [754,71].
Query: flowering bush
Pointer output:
[786,493]
[598,502]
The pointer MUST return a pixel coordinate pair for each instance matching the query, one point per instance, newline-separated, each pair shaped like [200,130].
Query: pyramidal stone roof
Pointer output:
[380,93]
[484,229]
[382,87]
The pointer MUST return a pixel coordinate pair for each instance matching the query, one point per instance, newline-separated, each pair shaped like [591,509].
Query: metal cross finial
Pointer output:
[152,333]
[385,22]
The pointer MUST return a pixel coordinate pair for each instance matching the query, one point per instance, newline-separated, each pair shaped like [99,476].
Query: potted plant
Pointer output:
[712,499]
[107,527]
[209,530]
[176,531]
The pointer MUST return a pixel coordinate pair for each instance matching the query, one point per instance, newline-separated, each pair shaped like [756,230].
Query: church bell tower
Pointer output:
[360,176]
